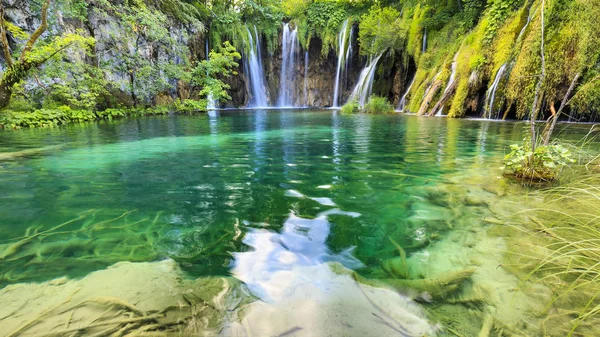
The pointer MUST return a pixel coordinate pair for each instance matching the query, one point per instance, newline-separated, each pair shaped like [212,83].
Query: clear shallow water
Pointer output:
[214,191]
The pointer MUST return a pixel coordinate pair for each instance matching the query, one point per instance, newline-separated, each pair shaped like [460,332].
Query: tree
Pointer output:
[208,74]
[379,31]
[33,55]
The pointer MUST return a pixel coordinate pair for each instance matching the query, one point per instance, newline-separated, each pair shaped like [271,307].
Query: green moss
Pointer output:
[415,32]
[457,107]
[504,43]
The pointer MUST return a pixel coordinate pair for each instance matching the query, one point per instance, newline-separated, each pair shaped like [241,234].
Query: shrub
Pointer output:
[111,113]
[545,163]
[350,107]
[189,106]
[378,105]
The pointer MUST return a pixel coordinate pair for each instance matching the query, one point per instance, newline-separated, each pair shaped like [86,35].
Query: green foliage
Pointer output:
[61,115]
[380,30]
[233,21]
[499,10]
[16,32]
[208,74]
[350,107]
[545,163]
[45,117]
[111,113]
[378,105]
[189,106]
[324,19]
[587,98]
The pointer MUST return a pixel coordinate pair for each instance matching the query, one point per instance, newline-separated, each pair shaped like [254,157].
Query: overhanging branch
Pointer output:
[38,32]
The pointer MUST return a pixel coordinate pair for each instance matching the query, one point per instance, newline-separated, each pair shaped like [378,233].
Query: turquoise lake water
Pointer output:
[198,188]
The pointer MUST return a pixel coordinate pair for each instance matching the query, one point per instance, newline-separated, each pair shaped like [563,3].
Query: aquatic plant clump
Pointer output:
[544,164]
[557,244]
[378,105]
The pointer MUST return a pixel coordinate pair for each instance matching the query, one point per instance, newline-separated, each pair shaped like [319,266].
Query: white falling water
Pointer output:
[256,72]
[431,84]
[529,16]
[450,80]
[402,104]
[342,48]
[348,56]
[289,49]
[364,86]
[306,78]
[211,104]
[424,48]
[491,94]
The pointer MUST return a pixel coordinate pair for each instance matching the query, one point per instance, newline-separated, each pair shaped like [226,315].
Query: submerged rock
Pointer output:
[133,297]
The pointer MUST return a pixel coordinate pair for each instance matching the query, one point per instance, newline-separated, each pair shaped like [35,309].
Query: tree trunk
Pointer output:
[550,126]
[445,97]
[12,76]
[429,97]
[5,93]
[17,71]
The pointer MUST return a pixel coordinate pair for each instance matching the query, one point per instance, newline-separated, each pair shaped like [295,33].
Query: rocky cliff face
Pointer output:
[122,54]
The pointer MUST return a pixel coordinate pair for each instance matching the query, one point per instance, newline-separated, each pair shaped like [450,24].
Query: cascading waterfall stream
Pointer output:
[450,80]
[306,78]
[529,16]
[341,52]
[348,55]
[211,103]
[491,94]
[256,72]
[424,47]
[289,48]
[402,104]
[364,86]
[431,84]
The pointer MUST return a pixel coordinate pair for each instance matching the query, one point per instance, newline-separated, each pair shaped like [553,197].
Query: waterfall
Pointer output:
[255,72]
[348,56]
[491,94]
[287,83]
[402,104]
[341,46]
[431,84]
[364,86]
[529,16]
[424,48]
[450,80]
[306,78]
[211,104]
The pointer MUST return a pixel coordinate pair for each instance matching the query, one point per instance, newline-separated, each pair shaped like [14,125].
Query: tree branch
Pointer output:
[536,98]
[4,38]
[38,32]
[37,64]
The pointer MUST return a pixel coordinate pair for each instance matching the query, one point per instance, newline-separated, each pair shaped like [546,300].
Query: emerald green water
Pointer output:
[197,188]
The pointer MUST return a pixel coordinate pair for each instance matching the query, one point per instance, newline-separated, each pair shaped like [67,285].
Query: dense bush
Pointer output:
[350,107]
[51,117]
[378,105]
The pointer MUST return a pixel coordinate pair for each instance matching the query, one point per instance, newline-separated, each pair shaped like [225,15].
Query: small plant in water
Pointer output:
[350,107]
[378,105]
[544,164]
